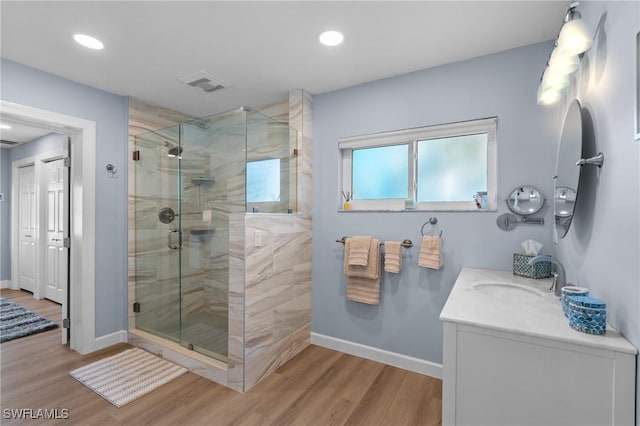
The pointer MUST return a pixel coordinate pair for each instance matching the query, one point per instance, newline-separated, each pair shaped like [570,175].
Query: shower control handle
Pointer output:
[169,242]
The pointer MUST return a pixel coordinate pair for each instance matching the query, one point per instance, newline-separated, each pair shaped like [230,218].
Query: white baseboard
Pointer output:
[107,340]
[5,284]
[405,362]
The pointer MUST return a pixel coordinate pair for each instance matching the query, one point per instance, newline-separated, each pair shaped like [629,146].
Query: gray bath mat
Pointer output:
[126,376]
[17,321]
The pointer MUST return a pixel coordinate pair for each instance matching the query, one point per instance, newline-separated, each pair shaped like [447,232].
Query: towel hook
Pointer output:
[432,221]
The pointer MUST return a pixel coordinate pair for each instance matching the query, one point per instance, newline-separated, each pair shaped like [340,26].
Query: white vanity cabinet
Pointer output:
[512,359]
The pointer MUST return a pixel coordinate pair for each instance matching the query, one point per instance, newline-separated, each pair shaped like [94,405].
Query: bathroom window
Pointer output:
[391,173]
[443,167]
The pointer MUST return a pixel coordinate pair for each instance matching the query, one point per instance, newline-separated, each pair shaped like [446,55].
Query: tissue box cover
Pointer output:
[521,267]
[587,315]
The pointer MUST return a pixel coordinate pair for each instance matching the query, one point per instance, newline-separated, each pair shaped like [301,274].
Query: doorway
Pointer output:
[41,195]
[82,184]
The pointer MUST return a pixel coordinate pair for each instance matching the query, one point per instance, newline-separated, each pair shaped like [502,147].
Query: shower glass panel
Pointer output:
[213,164]
[271,181]
[157,226]
[189,179]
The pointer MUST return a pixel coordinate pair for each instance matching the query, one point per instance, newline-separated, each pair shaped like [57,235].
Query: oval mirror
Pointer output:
[567,176]
[525,200]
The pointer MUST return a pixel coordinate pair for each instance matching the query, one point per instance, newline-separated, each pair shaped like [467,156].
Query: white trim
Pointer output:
[107,340]
[437,131]
[5,284]
[83,188]
[394,359]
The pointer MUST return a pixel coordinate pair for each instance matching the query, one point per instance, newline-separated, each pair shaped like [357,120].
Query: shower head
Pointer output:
[175,151]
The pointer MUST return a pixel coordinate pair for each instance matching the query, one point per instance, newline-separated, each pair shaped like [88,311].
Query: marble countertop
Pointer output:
[498,310]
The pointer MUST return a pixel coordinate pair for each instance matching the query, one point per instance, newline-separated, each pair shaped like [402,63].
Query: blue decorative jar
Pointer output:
[587,315]
[566,292]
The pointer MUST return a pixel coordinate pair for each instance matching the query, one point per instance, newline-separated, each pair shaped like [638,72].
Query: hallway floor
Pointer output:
[318,387]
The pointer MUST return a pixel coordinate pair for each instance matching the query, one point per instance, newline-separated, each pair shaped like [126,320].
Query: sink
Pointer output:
[508,292]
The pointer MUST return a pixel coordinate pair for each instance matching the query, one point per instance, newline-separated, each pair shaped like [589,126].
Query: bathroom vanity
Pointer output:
[510,358]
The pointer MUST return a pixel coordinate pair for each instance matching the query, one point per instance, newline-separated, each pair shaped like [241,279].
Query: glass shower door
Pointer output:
[212,171]
[158,236]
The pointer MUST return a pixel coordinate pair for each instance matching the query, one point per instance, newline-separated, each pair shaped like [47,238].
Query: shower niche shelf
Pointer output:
[202,231]
[202,180]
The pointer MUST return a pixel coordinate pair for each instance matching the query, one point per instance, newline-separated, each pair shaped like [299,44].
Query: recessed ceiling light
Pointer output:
[88,41]
[5,126]
[331,38]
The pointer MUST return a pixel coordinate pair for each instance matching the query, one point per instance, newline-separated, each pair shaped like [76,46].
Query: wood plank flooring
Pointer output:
[318,387]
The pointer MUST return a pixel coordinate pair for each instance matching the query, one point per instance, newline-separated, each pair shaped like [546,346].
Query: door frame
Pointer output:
[81,297]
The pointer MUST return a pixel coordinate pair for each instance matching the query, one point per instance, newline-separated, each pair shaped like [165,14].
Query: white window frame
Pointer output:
[411,137]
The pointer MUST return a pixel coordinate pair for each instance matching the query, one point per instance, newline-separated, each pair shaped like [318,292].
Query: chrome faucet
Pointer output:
[559,277]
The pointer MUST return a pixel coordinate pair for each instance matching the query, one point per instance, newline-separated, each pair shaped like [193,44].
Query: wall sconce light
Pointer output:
[573,40]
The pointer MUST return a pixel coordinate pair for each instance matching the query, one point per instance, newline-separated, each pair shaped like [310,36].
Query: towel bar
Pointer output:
[405,243]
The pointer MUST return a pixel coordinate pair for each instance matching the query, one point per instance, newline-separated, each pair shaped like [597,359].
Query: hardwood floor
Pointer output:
[318,387]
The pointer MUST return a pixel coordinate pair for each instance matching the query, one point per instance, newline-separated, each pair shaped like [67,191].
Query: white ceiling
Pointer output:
[263,49]
[19,133]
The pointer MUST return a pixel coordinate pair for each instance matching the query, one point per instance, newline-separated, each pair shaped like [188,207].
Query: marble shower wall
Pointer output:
[277,274]
[277,292]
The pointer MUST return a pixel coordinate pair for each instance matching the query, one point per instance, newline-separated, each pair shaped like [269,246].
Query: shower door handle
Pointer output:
[169,240]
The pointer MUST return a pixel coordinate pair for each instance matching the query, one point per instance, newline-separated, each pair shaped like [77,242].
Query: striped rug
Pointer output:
[17,321]
[126,376]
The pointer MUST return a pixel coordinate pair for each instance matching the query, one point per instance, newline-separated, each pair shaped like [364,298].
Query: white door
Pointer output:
[55,277]
[27,229]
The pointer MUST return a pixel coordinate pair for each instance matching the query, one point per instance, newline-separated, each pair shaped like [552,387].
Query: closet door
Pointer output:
[27,229]
[56,212]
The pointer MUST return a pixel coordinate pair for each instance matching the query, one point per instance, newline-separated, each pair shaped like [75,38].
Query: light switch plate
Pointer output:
[257,239]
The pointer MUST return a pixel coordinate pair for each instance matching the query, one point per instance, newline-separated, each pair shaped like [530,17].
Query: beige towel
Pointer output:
[358,251]
[372,269]
[392,256]
[430,252]
[363,282]
[363,290]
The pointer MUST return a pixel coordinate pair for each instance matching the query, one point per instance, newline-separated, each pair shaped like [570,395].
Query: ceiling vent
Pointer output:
[204,81]
[8,143]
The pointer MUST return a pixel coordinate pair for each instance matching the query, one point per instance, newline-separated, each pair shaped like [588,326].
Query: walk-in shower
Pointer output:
[190,179]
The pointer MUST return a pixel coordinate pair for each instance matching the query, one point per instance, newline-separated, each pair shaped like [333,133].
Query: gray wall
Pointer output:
[48,143]
[53,142]
[32,87]
[602,249]
[406,321]
[5,215]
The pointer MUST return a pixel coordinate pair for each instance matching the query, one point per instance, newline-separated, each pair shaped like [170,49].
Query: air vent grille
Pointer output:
[205,81]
